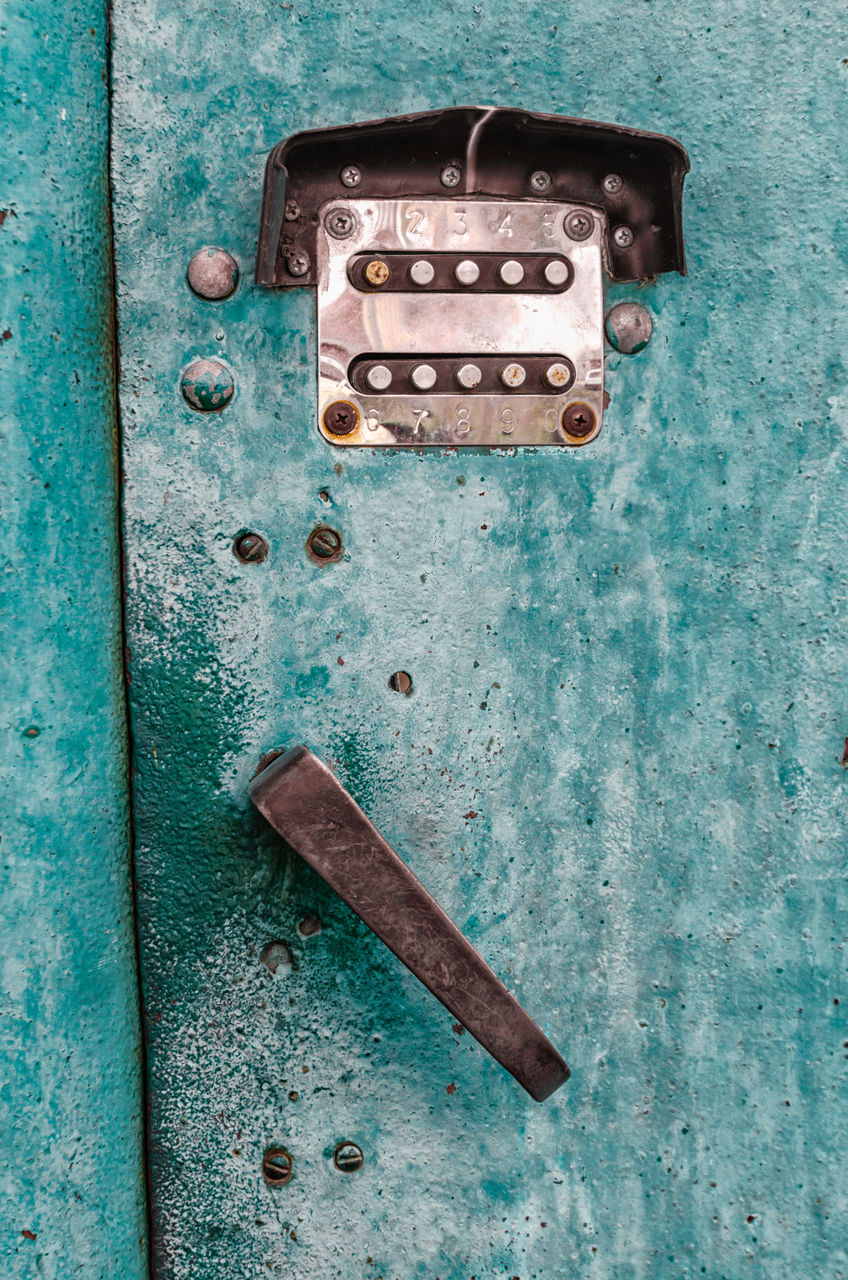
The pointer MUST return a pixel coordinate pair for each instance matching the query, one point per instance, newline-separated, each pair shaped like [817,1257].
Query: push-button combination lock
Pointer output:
[459,266]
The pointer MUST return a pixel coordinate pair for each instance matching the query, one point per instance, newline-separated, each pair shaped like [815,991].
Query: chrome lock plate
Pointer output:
[459,323]
[459,260]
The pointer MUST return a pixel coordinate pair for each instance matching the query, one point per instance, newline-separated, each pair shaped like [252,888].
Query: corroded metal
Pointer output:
[306,803]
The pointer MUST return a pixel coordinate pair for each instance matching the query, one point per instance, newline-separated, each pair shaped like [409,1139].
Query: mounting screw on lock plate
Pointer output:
[459,258]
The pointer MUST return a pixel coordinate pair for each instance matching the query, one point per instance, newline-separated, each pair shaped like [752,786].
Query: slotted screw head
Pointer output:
[250,548]
[348,1157]
[623,237]
[340,223]
[351,176]
[451,175]
[324,544]
[579,224]
[540,180]
[277,1167]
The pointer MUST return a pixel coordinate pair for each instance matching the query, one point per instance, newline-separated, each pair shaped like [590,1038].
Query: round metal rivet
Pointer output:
[467,272]
[623,237]
[422,272]
[578,419]
[351,176]
[213,274]
[207,385]
[341,418]
[379,377]
[613,182]
[558,376]
[401,682]
[348,1157]
[451,175]
[579,224]
[250,548]
[629,328]
[423,377]
[469,376]
[377,272]
[556,272]
[340,223]
[513,375]
[511,272]
[540,180]
[277,1167]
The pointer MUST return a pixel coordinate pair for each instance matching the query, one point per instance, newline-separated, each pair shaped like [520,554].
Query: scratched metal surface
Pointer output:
[620,768]
[72,1181]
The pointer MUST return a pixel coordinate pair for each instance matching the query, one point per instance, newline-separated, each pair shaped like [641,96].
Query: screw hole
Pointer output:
[401,682]
[277,957]
[277,1167]
[309,926]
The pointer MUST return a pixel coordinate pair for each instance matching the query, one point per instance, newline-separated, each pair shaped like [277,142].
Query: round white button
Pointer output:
[511,272]
[421,272]
[379,377]
[469,376]
[467,272]
[423,377]
[556,271]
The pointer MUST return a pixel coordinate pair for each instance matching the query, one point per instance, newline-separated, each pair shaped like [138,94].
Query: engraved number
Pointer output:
[551,420]
[463,421]
[420,415]
[462,228]
[549,224]
[372,419]
[415,219]
[508,421]
[505,225]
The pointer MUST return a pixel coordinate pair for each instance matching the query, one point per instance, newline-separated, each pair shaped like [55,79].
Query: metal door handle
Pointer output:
[310,808]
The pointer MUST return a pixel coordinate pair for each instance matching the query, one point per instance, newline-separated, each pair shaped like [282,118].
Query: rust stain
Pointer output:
[845,755]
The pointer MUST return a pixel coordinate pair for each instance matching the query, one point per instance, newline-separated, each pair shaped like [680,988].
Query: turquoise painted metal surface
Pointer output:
[72,1189]
[619,769]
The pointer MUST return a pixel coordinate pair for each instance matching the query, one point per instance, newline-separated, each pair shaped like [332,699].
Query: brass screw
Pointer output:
[250,548]
[348,1157]
[324,545]
[277,1167]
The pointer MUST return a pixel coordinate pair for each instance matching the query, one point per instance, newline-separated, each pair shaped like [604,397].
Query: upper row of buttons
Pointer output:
[441,272]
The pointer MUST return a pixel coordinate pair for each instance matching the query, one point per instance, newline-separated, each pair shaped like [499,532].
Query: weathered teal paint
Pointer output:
[71,1192]
[620,768]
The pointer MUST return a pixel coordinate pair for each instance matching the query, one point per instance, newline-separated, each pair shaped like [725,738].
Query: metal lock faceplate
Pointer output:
[550,334]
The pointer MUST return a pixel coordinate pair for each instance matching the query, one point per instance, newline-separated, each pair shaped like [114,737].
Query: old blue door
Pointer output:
[617,762]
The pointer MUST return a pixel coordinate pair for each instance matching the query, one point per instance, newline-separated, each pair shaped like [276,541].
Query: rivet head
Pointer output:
[341,418]
[579,224]
[578,419]
[629,328]
[423,377]
[207,385]
[613,183]
[513,375]
[250,548]
[277,1166]
[348,1157]
[467,272]
[213,274]
[469,376]
[377,272]
[324,545]
[451,175]
[340,223]
[540,180]
[379,377]
[511,272]
[623,237]
[422,272]
[351,176]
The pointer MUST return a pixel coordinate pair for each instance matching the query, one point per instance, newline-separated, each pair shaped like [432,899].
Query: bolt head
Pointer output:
[541,180]
[341,418]
[629,328]
[579,224]
[613,183]
[623,237]
[213,274]
[297,264]
[250,548]
[451,175]
[351,176]
[207,385]
[340,223]
[578,420]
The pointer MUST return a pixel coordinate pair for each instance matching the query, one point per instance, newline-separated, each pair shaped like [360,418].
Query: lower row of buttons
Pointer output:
[481,374]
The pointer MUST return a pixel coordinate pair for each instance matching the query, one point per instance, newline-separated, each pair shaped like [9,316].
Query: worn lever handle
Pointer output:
[310,808]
